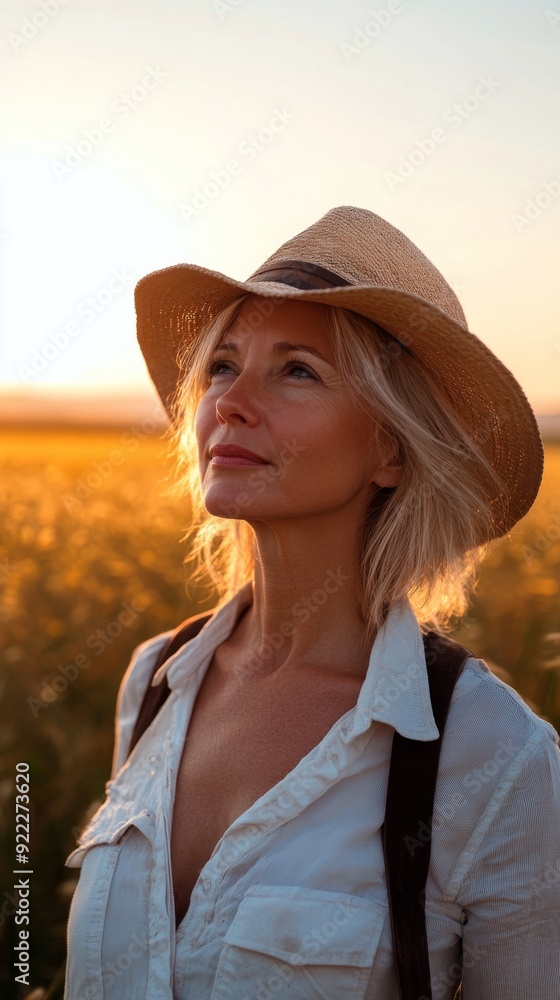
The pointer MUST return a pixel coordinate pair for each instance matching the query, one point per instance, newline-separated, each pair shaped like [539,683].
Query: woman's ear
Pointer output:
[387,467]
[388,474]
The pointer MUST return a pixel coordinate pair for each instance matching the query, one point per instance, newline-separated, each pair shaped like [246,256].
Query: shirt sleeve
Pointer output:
[131,694]
[510,895]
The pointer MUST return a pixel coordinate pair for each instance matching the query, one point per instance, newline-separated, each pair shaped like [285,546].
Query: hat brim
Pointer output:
[174,303]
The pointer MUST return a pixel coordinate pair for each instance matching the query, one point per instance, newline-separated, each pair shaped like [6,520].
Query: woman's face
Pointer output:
[288,405]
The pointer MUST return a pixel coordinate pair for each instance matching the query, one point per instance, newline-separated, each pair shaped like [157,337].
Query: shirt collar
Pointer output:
[200,650]
[395,689]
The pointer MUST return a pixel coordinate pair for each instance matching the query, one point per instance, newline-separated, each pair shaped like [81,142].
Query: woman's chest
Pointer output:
[242,740]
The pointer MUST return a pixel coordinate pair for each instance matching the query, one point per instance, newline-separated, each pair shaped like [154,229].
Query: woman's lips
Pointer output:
[235,460]
[230,453]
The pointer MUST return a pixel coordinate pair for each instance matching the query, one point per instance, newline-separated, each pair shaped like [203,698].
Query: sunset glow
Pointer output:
[152,134]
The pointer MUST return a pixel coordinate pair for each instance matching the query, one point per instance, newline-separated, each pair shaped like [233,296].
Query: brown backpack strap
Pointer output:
[406,831]
[155,696]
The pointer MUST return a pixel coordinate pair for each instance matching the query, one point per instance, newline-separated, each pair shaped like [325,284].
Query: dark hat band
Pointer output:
[305,275]
[301,274]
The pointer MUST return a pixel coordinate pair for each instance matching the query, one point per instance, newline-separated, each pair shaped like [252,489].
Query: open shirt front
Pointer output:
[293,901]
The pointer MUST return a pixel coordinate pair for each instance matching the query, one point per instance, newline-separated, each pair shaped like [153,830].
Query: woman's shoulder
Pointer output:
[142,660]
[131,692]
[493,741]
[495,707]
[499,770]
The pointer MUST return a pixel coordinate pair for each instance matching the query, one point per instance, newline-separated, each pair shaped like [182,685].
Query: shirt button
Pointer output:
[205,884]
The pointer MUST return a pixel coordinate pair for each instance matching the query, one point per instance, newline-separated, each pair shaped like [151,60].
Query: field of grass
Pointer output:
[91,565]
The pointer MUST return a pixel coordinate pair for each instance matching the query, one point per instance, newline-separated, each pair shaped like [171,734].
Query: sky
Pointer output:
[142,134]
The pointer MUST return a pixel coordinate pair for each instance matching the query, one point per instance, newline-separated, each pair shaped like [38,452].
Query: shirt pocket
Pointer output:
[286,941]
[97,854]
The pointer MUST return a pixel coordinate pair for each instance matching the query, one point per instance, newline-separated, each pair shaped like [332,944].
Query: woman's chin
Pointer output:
[230,504]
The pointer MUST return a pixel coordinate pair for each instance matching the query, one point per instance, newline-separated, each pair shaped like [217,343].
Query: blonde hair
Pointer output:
[420,538]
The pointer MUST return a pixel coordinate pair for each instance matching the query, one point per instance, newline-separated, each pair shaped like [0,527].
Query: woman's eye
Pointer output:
[291,365]
[212,367]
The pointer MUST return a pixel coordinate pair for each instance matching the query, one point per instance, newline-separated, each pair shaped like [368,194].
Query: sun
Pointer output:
[73,249]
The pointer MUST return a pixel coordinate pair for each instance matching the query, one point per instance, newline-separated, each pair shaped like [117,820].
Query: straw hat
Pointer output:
[354,259]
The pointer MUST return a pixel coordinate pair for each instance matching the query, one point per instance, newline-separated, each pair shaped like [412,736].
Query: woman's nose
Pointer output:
[241,399]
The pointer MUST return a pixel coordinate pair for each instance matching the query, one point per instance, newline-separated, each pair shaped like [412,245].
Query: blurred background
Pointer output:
[136,136]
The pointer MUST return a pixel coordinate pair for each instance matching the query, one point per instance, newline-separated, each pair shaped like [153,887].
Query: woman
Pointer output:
[352,449]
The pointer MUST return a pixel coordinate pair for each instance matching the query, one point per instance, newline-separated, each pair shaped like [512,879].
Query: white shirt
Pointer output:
[293,901]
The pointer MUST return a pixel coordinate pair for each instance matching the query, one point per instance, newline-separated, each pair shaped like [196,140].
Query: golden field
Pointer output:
[91,565]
